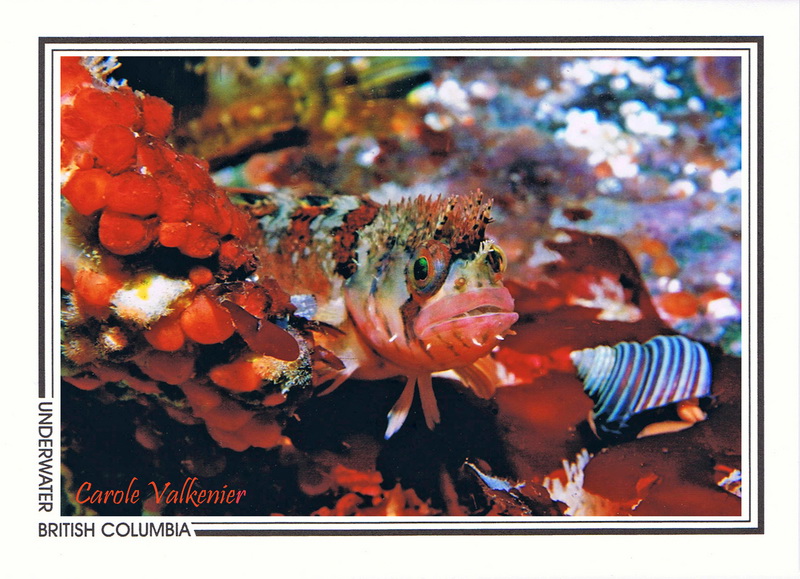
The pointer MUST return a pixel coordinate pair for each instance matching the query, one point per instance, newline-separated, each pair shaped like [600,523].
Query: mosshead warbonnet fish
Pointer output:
[404,289]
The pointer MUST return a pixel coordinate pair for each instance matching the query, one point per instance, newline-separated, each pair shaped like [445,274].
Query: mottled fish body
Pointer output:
[411,288]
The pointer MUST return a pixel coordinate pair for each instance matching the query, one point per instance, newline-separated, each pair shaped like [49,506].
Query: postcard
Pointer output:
[436,287]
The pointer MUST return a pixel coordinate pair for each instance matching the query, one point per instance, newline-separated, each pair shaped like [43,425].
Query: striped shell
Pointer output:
[629,379]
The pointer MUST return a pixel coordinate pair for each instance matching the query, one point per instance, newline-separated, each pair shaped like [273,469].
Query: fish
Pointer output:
[408,289]
[628,380]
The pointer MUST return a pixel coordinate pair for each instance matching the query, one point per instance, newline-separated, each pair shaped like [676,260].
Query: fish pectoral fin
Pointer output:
[399,412]
[482,376]
[426,395]
[340,378]
[348,364]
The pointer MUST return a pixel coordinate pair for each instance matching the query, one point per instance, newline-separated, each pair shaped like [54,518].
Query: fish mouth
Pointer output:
[482,310]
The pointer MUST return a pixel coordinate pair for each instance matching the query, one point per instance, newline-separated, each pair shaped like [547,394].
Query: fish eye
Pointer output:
[496,258]
[421,269]
[428,268]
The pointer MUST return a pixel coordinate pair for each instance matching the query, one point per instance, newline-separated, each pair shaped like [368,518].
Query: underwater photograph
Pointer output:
[364,284]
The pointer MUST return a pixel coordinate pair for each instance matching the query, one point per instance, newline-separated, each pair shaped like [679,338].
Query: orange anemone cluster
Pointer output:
[155,272]
[120,170]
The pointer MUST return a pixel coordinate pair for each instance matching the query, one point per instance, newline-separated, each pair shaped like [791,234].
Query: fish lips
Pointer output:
[480,311]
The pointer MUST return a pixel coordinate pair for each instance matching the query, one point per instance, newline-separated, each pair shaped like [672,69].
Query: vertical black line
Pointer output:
[750,125]
[760,281]
[747,156]
[41,231]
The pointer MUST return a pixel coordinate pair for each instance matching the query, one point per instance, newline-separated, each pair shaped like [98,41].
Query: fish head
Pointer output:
[429,304]
[461,312]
